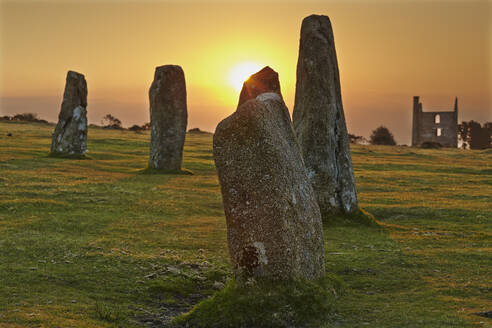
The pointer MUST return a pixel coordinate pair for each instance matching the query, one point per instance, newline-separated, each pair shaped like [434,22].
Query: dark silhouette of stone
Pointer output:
[319,120]
[265,80]
[273,221]
[168,118]
[70,135]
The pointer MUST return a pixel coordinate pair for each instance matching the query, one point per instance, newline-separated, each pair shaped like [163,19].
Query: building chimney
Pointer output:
[417,108]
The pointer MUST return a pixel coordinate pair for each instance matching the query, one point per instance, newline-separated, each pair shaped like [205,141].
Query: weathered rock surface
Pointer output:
[265,80]
[319,120]
[70,135]
[168,118]
[273,221]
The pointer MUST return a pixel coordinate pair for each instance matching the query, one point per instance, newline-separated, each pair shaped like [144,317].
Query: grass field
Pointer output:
[98,243]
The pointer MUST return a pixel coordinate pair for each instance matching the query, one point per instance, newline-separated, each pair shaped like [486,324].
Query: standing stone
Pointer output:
[265,80]
[70,135]
[168,118]
[273,221]
[319,120]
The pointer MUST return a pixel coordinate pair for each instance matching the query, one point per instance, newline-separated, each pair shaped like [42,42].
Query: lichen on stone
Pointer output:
[70,135]
[168,118]
[273,220]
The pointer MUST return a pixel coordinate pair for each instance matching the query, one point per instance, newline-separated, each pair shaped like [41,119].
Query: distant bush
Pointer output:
[353,138]
[111,122]
[360,140]
[24,117]
[474,136]
[197,131]
[382,136]
[138,128]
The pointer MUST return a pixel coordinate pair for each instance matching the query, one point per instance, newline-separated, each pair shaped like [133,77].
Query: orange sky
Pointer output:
[388,51]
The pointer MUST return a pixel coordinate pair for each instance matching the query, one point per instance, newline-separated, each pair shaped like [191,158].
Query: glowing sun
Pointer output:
[241,72]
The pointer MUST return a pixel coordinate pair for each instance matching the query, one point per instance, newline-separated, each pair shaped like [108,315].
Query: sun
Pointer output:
[241,73]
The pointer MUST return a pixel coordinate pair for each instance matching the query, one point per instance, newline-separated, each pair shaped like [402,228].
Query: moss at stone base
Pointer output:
[361,217]
[157,171]
[299,303]
[69,156]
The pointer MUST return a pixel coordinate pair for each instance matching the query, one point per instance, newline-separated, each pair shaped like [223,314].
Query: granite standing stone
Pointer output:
[70,135]
[273,221]
[265,80]
[168,118]
[319,120]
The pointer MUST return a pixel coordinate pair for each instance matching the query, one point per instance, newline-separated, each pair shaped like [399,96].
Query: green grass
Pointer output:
[149,170]
[267,304]
[68,156]
[96,243]
[360,217]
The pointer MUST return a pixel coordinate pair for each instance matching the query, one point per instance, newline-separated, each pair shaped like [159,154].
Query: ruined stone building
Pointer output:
[438,127]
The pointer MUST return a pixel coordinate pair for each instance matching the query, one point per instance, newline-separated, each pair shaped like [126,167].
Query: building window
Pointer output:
[439,132]
[437,119]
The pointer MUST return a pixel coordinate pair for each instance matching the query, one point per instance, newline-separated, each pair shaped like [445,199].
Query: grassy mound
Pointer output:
[298,303]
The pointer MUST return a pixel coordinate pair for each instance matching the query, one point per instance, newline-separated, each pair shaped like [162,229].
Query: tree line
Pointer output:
[473,134]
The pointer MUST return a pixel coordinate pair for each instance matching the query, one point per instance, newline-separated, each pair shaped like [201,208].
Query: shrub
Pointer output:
[382,136]
[359,140]
[24,117]
[474,135]
[111,122]
[138,128]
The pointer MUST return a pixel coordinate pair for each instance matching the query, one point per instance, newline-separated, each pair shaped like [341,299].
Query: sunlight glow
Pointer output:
[241,73]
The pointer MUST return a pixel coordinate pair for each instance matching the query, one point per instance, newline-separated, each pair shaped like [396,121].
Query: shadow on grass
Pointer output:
[68,156]
[149,170]
[361,217]
[267,304]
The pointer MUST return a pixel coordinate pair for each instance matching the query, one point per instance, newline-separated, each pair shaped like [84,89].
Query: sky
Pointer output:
[388,52]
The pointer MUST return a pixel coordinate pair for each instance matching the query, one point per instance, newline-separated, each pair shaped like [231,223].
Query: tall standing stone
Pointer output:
[70,135]
[319,120]
[168,118]
[265,80]
[273,221]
